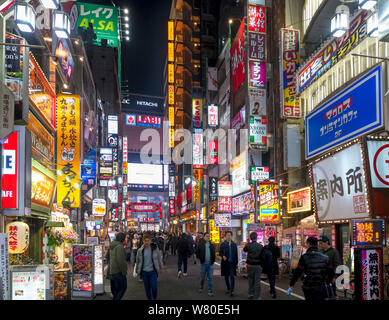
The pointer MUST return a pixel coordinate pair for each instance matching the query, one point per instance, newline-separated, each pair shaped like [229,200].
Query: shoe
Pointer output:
[200,290]
[210,293]
[232,293]
[228,291]
[185,274]
[179,274]
[274,296]
[251,297]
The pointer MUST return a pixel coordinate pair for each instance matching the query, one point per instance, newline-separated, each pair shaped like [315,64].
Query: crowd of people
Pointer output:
[148,252]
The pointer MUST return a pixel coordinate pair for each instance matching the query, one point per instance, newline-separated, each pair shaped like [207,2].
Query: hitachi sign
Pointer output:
[146,103]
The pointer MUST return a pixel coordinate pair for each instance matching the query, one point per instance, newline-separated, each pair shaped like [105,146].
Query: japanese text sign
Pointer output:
[213,116]
[172,206]
[214,232]
[225,204]
[290,62]
[198,153]
[42,188]
[257,46]
[225,189]
[379,163]
[7,107]
[238,59]
[257,18]
[257,99]
[368,232]
[339,186]
[4,263]
[355,111]
[9,177]
[105,21]
[333,51]
[269,202]
[197,116]
[257,74]
[242,204]
[299,200]
[68,150]
[213,186]
[371,264]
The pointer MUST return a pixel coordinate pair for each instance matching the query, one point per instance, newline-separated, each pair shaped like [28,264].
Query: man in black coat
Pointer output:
[272,270]
[317,272]
[184,250]
[229,253]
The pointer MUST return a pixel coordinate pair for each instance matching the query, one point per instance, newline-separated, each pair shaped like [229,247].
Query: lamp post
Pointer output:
[339,22]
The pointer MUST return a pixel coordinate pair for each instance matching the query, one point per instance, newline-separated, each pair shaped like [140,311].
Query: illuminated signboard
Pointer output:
[238,59]
[225,204]
[68,150]
[9,174]
[242,204]
[257,18]
[222,220]
[299,200]
[170,30]
[259,173]
[269,202]
[62,51]
[198,158]
[225,189]
[99,207]
[148,121]
[368,232]
[213,116]
[171,94]
[257,74]
[213,149]
[42,188]
[171,73]
[171,116]
[197,109]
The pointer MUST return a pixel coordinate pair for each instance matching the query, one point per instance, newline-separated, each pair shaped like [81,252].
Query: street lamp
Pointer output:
[61,24]
[25,17]
[50,4]
[367,4]
[339,22]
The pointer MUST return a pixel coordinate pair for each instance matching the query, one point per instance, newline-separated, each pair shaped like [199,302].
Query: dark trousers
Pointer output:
[230,279]
[118,286]
[183,259]
[135,251]
[151,285]
[315,293]
[331,290]
[254,276]
[272,282]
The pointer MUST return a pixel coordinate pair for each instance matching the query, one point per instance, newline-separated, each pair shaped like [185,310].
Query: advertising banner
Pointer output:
[257,18]
[7,107]
[368,232]
[213,186]
[42,188]
[269,202]
[213,116]
[9,175]
[300,200]
[339,186]
[345,116]
[212,79]
[260,174]
[83,272]
[99,207]
[225,204]
[62,51]
[238,59]
[379,163]
[257,100]
[333,51]
[372,274]
[290,62]
[258,132]
[242,204]
[222,220]
[238,169]
[197,113]
[105,20]
[213,152]
[225,189]
[198,153]
[68,150]
[257,46]
[172,206]
[88,170]
[257,74]
[214,232]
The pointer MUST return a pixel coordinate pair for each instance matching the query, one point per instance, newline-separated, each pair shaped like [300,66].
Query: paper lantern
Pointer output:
[18,237]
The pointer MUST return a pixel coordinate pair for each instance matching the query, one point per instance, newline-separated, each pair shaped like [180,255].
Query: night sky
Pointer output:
[143,57]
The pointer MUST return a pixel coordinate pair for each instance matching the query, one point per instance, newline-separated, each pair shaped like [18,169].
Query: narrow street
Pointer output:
[186,288]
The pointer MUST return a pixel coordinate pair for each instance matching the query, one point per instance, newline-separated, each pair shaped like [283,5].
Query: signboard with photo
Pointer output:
[339,186]
[242,204]
[299,200]
[257,98]
[222,220]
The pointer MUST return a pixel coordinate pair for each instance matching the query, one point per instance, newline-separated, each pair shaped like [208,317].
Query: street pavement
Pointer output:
[170,287]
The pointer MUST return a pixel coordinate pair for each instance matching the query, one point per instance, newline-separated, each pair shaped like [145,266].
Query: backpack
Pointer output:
[268,259]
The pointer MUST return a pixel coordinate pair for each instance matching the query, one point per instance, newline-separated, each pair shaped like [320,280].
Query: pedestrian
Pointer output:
[191,239]
[184,251]
[254,263]
[333,259]
[118,267]
[206,254]
[174,244]
[149,266]
[317,272]
[135,246]
[272,254]
[128,246]
[229,253]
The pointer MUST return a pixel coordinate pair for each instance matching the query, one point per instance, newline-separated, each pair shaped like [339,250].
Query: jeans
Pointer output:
[272,282]
[331,289]
[206,268]
[315,293]
[135,251]
[254,277]
[183,259]
[118,285]
[230,279]
[151,285]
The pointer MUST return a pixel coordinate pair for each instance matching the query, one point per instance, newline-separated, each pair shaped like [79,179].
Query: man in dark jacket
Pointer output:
[317,271]
[254,266]
[229,253]
[184,250]
[118,267]
[272,269]
[205,252]
[333,259]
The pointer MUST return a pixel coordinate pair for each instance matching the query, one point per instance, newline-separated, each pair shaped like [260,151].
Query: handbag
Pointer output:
[134,274]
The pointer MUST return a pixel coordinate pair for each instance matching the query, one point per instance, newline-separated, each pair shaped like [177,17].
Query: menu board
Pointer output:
[30,284]
[61,285]
[99,279]
[82,270]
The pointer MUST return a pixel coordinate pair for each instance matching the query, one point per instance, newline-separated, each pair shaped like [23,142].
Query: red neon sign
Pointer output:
[9,181]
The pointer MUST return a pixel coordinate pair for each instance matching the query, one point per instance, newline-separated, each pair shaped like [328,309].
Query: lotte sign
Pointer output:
[379,163]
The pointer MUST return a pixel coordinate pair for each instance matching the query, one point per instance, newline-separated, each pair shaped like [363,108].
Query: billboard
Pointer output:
[68,150]
[198,152]
[225,189]
[257,74]
[290,62]
[257,18]
[299,200]
[222,220]
[197,113]
[105,20]
[213,116]
[257,101]
[269,202]
[259,173]
[225,204]
[238,59]
[238,169]
[258,132]
[141,174]
[339,186]
[148,105]
[346,115]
